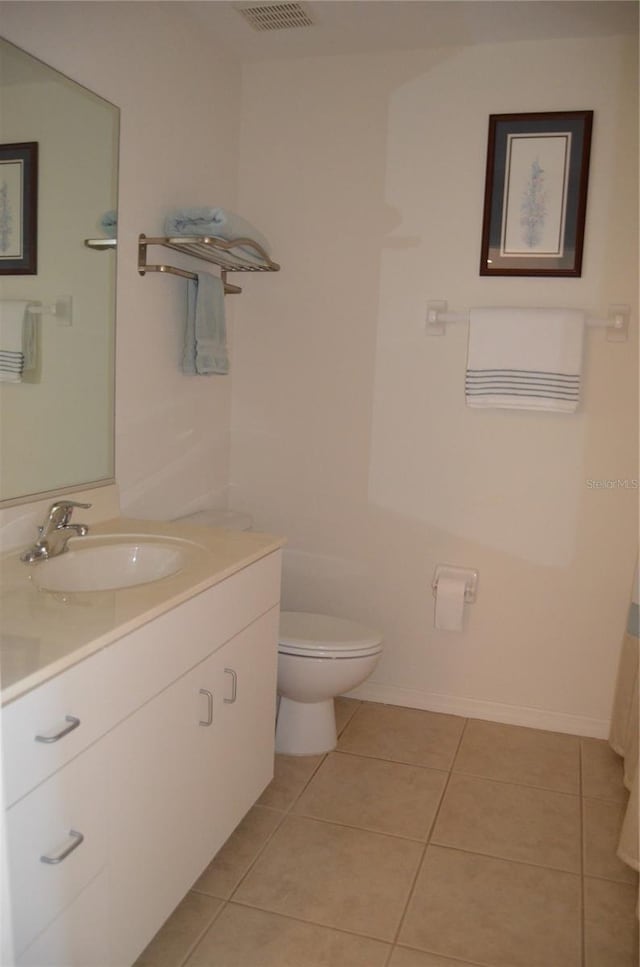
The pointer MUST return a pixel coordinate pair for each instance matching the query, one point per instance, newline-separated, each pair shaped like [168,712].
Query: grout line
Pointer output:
[505,859]
[311,923]
[426,845]
[399,762]
[514,782]
[446,958]
[607,879]
[259,852]
[519,785]
[351,717]
[311,776]
[359,829]
[202,933]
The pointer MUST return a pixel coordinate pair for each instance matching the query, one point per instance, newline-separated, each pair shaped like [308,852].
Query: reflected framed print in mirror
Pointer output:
[19,208]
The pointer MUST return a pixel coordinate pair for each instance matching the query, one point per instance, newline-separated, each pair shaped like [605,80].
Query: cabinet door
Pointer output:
[155,787]
[245,725]
[185,768]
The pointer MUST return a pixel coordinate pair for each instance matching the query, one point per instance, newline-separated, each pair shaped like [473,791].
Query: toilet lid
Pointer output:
[322,636]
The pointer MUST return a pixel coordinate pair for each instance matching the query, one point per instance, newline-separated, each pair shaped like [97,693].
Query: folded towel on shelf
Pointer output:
[216,221]
[527,359]
[109,223]
[17,340]
[205,341]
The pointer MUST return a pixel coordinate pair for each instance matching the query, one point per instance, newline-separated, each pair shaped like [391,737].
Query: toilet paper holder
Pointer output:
[450,571]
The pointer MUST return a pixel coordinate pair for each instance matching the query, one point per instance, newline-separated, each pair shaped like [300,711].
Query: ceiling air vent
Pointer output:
[275,16]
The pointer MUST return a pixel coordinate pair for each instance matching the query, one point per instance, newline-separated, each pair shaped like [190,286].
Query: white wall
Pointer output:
[350,433]
[179,138]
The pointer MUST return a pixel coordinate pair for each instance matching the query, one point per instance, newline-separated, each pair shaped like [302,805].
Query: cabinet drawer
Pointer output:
[79,937]
[46,728]
[151,658]
[57,843]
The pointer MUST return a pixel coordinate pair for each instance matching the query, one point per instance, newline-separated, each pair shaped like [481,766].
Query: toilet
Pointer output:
[319,657]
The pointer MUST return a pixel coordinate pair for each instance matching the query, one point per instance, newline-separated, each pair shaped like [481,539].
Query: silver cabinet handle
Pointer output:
[72,723]
[209,719]
[234,686]
[58,857]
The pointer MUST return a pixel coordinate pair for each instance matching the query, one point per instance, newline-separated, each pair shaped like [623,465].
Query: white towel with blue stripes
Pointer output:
[527,359]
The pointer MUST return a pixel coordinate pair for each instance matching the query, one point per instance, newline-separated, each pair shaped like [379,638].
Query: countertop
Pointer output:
[42,633]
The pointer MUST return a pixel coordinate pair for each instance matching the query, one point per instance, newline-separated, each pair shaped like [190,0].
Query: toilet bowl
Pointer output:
[319,657]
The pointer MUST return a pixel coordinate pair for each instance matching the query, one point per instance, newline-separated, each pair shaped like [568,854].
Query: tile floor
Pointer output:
[425,840]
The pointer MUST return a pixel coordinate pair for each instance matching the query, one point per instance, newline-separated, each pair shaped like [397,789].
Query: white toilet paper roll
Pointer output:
[449,603]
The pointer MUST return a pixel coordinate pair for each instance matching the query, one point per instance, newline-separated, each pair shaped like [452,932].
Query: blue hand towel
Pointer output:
[215,221]
[205,340]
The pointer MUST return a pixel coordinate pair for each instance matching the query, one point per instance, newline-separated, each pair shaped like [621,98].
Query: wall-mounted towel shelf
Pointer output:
[101,244]
[616,323]
[228,255]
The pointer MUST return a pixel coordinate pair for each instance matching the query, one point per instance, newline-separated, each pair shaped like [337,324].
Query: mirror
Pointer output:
[58,181]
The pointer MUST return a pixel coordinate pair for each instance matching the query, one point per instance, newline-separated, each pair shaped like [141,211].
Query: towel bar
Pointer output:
[62,309]
[616,323]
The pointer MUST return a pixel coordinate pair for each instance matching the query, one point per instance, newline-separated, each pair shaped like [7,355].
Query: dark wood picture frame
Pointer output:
[19,208]
[535,196]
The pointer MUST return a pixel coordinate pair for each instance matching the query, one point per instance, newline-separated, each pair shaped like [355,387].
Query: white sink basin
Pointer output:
[112,563]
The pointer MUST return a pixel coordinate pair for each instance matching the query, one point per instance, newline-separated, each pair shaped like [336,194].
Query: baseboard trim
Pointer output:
[535,718]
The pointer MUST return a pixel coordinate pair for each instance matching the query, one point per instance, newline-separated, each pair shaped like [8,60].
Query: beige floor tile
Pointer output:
[404,957]
[243,937]
[611,925]
[602,771]
[334,876]
[550,760]
[403,734]
[291,774]
[601,824]
[494,912]
[238,853]
[175,939]
[513,822]
[387,797]
[345,710]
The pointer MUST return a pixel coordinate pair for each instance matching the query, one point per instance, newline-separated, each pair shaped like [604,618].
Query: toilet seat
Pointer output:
[322,636]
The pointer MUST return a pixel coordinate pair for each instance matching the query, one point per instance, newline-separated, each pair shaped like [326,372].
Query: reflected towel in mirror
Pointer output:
[18,349]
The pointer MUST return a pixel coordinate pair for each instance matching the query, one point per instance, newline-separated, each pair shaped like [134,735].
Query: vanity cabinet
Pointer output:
[110,824]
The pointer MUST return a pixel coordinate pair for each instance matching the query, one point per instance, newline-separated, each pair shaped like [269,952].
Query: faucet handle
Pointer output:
[60,512]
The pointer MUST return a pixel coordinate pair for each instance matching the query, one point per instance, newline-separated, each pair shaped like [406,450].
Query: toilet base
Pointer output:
[305,728]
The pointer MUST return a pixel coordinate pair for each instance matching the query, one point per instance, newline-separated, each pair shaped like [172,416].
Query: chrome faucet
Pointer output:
[55,532]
